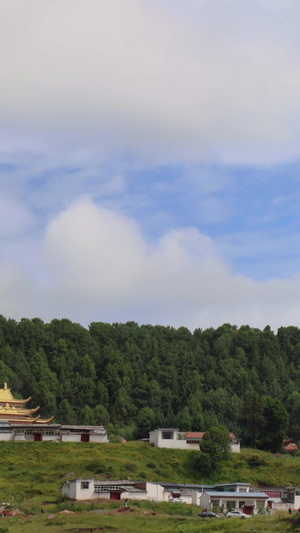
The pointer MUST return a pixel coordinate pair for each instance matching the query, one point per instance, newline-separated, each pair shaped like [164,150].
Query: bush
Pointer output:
[256,461]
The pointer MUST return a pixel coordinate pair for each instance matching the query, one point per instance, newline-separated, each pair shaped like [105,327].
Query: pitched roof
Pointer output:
[194,434]
[291,447]
[199,435]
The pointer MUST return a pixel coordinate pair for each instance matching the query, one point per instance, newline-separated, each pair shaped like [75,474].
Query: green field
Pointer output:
[145,518]
[32,474]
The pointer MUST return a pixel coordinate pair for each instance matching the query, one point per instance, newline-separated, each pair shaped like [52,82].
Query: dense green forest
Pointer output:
[145,376]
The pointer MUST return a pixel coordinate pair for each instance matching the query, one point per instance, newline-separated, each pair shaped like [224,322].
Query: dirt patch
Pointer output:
[91,529]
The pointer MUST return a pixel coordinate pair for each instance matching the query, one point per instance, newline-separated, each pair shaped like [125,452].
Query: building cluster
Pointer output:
[225,497]
[17,423]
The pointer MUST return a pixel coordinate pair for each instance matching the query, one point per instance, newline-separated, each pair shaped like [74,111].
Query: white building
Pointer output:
[183,440]
[51,432]
[231,496]
[91,489]
[248,502]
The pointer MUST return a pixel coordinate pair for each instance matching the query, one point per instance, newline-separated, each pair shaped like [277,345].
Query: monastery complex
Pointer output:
[17,423]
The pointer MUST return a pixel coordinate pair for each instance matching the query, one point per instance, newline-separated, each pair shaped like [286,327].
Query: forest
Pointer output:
[136,378]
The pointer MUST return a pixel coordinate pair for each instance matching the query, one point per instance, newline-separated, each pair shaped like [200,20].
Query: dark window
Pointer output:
[167,435]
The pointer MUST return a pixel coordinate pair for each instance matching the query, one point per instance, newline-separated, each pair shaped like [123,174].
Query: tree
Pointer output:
[252,415]
[146,421]
[66,413]
[214,449]
[87,416]
[275,424]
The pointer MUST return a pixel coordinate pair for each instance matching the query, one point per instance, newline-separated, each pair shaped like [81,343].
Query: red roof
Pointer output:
[195,434]
[199,435]
[291,447]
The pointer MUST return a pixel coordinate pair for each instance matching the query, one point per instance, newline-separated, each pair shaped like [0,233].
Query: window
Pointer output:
[241,505]
[260,505]
[100,488]
[167,435]
[85,484]
[230,506]
[242,490]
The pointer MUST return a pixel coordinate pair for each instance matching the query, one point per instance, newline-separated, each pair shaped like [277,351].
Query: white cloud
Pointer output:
[101,268]
[200,80]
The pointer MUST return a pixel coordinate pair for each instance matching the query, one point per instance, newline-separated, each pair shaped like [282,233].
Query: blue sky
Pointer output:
[149,161]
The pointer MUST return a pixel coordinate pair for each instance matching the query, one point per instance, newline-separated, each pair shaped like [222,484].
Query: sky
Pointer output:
[150,161]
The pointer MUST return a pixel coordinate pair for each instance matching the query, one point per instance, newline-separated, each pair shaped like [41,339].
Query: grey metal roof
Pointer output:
[240,495]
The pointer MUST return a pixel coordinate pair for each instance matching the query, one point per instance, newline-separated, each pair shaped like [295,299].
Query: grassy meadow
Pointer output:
[32,474]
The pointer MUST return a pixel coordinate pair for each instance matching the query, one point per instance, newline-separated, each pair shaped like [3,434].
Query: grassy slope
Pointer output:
[32,473]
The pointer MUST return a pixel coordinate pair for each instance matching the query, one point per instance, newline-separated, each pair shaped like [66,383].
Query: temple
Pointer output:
[17,423]
[13,410]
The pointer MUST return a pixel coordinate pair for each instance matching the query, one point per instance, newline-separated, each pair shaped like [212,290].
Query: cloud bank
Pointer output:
[148,161]
[166,81]
[98,266]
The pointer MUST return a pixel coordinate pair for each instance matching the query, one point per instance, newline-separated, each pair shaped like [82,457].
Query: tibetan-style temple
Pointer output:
[13,410]
[17,423]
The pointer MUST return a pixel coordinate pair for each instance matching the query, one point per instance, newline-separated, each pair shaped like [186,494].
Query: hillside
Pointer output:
[139,377]
[32,473]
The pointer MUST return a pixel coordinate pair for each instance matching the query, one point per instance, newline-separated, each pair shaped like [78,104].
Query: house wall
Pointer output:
[193,446]
[155,438]
[196,497]
[235,448]
[133,495]
[19,437]
[70,438]
[205,501]
[74,490]
[297,501]
[98,438]
[51,438]
[156,492]
[7,436]
[102,495]
[187,498]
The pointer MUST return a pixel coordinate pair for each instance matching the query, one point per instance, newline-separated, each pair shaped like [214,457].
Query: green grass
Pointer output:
[32,473]
[144,519]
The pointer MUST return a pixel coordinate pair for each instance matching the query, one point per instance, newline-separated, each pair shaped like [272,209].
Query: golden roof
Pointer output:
[7,397]
[12,409]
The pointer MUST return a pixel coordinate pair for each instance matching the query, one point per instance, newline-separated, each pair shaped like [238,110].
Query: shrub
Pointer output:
[255,461]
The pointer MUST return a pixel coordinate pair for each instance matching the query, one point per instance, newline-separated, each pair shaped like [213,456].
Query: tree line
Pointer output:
[147,376]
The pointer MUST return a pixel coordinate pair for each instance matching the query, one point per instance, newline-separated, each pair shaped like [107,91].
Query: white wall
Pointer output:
[155,492]
[155,437]
[70,438]
[196,497]
[74,491]
[133,496]
[98,438]
[205,501]
[50,438]
[7,436]
[297,502]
